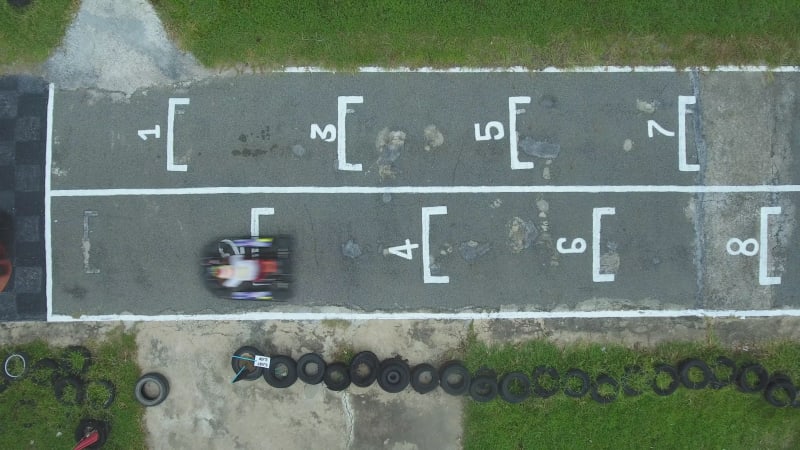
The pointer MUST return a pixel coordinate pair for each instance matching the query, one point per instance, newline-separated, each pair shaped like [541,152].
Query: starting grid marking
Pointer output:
[493,130]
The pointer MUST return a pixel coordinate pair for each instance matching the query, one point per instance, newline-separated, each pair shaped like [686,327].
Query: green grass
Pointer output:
[345,34]
[710,419]
[31,412]
[352,33]
[29,35]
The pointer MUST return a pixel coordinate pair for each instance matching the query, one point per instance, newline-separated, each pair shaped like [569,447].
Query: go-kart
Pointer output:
[257,268]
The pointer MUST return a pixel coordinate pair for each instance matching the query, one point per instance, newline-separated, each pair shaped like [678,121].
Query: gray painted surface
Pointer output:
[667,250]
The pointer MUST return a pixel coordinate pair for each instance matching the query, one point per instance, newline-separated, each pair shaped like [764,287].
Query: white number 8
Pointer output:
[748,247]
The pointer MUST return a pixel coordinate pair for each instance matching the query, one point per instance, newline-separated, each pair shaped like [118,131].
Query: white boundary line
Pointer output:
[311,316]
[218,190]
[522,69]
[48,163]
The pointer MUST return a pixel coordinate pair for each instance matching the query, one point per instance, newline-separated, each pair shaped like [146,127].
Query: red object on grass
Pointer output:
[88,441]
[5,268]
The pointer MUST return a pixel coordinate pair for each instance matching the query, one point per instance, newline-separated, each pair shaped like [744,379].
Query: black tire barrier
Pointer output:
[541,390]
[780,392]
[515,387]
[454,378]
[337,376]
[101,401]
[76,360]
[87,426]
[577,374]
[151,389]
[303,368]
[394,375]
[45,371]
[16,366]
[424,378]
[250,372]
[364,369]
[604,380]
[282,371]
[61,386]
[672,386]
[719,382]
[631,373]
[745,385]
[483,388]
[691,366]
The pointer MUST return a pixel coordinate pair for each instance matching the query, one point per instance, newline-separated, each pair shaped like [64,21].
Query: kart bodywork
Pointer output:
[270,258]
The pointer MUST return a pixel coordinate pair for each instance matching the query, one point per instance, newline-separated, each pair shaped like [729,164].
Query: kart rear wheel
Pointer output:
[283,246]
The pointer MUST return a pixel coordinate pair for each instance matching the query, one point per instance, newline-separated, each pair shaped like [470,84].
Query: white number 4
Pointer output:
[403,251]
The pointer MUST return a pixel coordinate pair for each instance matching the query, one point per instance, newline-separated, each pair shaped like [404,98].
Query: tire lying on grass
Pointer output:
[752,378]
[100,393]
[246,368]
[337,376]
[45,371]
[780,391]
[630,376]
[582,377]
[670,372]
[720,381]
[424,378]
[364,369]
[690,369]
[515,387]
[76,360]
[151,389]
[282,372]
[541,387]
[69,390]
[311,368]
[604,397]
[454,378]
[15,366]
[483,388]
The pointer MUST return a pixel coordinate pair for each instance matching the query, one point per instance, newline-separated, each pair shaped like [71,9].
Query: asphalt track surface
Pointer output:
[531,192]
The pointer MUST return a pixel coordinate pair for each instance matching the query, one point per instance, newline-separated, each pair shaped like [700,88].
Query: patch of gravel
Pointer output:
[119,46]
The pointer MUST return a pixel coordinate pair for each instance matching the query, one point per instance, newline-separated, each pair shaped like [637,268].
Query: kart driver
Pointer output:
[240,269]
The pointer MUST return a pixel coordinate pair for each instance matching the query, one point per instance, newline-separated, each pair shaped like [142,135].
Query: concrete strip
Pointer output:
[204,410]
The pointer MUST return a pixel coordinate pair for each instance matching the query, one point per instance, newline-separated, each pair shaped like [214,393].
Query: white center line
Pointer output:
[219,190]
